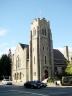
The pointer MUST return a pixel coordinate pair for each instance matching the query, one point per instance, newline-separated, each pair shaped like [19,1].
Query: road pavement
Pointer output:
[6,90]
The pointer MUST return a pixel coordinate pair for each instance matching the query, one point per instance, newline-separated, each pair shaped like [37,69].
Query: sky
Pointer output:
[17,15]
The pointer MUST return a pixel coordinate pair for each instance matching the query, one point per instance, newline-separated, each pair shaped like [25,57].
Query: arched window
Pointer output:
[43,47]
[34,32]
[17,62]
[34,59]
[20,75]
[45,59]
[45,32]
[15,76]
[42,31]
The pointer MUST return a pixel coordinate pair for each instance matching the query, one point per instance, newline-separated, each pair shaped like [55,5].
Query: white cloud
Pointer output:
[62,50]
[3,32]
[70,49]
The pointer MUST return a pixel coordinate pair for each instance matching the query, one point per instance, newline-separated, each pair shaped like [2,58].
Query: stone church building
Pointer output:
[34,61]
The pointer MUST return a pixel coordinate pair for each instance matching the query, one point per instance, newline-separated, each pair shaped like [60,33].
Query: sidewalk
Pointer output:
[54,85]
[18,83]
[51,85]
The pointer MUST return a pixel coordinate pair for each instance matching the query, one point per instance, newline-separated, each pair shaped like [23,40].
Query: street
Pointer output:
[21,91]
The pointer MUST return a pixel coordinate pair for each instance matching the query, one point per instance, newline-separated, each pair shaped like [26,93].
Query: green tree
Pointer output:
[5,66]
[68,69]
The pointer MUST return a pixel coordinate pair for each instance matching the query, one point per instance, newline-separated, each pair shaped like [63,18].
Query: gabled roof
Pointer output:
[23,45]
[59,58]
[58,54]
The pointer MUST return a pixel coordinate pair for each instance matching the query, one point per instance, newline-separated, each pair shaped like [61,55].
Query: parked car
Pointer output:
[34,84]
[6,82]
[66,81]
[42,84]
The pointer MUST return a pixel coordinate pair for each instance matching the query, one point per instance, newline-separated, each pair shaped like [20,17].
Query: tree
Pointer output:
[5,66]
[68,69]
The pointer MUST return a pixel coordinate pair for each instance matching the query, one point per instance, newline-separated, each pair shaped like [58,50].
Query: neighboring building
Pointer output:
[34,62]
[60,59]
[59,62]
[67,52]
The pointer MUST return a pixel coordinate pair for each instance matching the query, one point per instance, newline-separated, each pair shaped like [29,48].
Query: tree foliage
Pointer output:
[5,66]
[68,69]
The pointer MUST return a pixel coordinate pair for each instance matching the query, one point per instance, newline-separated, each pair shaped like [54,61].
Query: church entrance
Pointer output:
[45,74]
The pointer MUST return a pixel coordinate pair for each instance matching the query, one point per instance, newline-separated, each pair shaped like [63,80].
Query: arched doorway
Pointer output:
[45,74]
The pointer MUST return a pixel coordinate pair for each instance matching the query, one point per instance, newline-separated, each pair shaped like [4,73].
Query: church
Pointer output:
[34,61]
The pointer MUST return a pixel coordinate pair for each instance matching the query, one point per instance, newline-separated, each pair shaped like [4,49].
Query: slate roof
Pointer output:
[59,58]
[58,54]
[23,45]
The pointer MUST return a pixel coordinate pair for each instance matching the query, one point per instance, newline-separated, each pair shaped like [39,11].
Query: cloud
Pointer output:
[70,49]
[62,50]
[3,32]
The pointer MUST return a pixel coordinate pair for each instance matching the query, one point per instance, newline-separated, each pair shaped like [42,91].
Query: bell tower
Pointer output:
[41,50]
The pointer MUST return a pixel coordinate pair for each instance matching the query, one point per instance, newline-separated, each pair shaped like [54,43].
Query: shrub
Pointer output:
[50,80]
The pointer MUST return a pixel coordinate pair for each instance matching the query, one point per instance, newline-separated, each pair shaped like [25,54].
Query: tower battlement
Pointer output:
[40,22]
